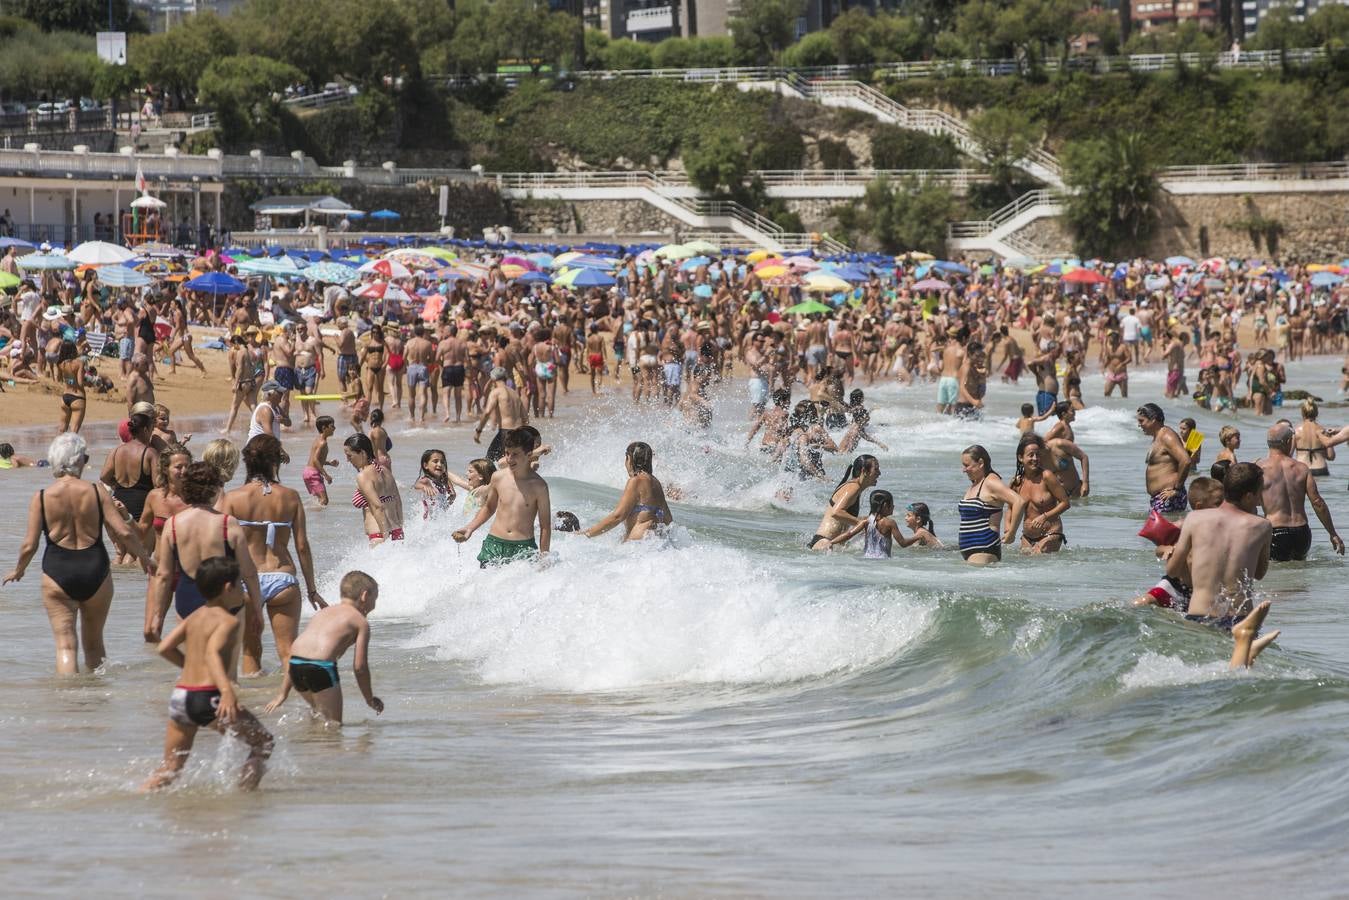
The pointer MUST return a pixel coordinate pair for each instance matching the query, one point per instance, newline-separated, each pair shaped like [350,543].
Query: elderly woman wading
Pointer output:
[72,515]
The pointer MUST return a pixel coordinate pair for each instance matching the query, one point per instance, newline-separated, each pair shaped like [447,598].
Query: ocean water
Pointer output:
[719,712]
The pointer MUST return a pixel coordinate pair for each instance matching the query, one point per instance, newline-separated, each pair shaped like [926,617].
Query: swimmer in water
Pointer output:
[642,508]
[1028,417]
[204,696]
[1205,493]
[857,432]
[880,529]
[312,667]
[846,501]
[1221,553]
[516,497]
[474,484]
[1046,500]
[1230,439]
[919,519]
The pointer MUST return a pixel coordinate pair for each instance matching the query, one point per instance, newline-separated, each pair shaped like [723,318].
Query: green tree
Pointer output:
[718,161]
[628,54]
[115,82]
[762,28]
[897,217]
[245,91]
[176,59]
[1280,30]
[694,52]
[1282,127]
[815,49]
[1112,205]
[1005,138]
[86,16]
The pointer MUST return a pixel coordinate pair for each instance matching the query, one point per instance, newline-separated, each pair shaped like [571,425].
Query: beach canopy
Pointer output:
[217,283]
[385,214]
[41,262]
[931,284]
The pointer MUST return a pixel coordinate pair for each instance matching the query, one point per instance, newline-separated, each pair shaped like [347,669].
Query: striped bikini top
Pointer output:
[358,499]
[976,526]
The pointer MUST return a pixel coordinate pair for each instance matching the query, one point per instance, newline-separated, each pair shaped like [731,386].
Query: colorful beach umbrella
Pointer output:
[122,277]
[389,268]
[807,308]
[931,284]
[42,262]
[330,273]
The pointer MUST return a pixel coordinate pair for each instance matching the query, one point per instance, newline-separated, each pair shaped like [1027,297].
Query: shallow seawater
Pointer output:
[722,713]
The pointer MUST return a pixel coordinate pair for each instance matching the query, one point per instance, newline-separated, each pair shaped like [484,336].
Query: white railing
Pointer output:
[1139,62]
[321,99]
[1258,172]
[1000,217]
[204,121]
[38,162]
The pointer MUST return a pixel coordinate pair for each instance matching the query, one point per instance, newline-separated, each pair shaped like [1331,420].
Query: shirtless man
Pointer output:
[952,359]
[124,328]
[515,498]
[546,365]
[1167,462]
[596,349]
[816,346]
[348,363]
[453,356]
[307,351]
[1220,552]
[504,407]
[1288,485]
[564,339]
[139,388]
[283,364]
[760,367]
[420,354]
[1174,353]
[1046,378]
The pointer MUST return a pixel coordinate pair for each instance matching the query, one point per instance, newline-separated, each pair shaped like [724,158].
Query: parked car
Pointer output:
[13,109]
[54,110]
[89,105]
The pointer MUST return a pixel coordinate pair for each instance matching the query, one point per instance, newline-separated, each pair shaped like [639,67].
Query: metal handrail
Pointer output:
[1138,62]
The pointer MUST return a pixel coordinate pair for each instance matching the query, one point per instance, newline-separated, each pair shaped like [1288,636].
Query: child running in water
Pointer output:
[312,670]
[516,497]
[434,483]
[315,478]
[1230,438]
[204,695]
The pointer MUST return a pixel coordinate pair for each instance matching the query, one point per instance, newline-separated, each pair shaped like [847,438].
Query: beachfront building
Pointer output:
[1252,11]
[66,197]
[1149,14]
[656,20]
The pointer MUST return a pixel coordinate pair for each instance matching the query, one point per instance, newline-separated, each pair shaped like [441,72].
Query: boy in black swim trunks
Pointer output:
[312,670]
[204,695]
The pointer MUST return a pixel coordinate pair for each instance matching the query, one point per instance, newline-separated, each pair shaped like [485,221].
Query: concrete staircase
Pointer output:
[677,199]
[864,98]
[998,233]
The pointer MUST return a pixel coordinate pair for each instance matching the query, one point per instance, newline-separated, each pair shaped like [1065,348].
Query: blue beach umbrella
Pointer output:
[533,278]
[330,272]
[1326,279]
[216,283]
[385,214]
[703,290]
[592,278]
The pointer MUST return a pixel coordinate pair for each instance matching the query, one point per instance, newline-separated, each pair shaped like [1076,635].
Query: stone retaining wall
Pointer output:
[592,217]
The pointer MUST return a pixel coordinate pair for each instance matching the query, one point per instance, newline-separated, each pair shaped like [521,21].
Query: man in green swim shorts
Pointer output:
[516,496]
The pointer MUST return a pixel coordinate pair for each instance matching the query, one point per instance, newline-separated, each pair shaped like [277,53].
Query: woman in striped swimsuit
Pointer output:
[981,509]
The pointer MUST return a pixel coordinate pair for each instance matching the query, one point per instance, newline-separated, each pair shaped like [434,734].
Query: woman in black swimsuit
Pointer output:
[70,374]
[845,503]
[134,461]
[76,576]
[373,358]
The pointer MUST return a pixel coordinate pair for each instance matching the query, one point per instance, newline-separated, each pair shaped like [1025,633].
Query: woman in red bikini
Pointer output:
[376,494]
